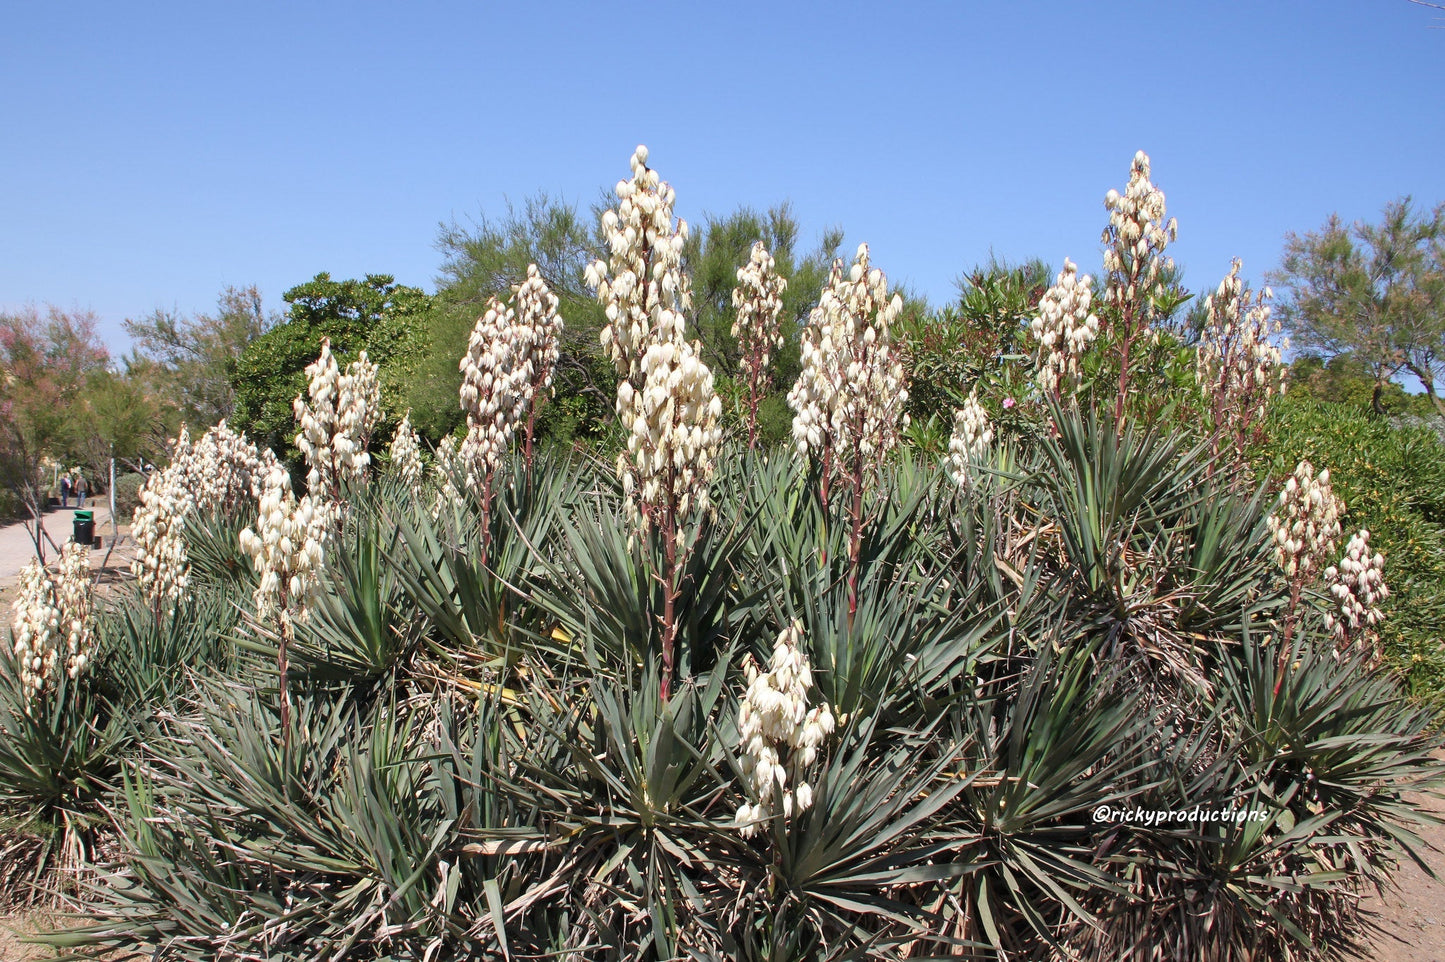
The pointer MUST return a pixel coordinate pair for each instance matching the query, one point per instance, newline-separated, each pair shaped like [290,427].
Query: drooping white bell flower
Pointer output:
[779,735]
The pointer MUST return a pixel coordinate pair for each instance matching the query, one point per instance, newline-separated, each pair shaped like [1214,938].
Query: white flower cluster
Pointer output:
[510,360]
[222,467]
[161,565]
[37,625]
[1064,329]
[850,394]
[448,466]
[1135,239]
[1306,523]
[337,422]
[538,332]
[54,615]
[674,431]
[405,454]
[212,474]
[779,734]
[1236,364]
[1357,585]
[76,601]
[665,400]
[493,392]
[758,299]
[642,285]
[972,436]
[286,546]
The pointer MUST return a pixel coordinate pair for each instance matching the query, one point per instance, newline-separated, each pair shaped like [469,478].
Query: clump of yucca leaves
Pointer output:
[482,765]
[486,761]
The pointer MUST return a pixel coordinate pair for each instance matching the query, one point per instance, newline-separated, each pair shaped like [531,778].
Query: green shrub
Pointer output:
[127,493]
[1392,479]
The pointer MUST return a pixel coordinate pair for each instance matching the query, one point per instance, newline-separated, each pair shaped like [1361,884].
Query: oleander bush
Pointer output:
[700,697]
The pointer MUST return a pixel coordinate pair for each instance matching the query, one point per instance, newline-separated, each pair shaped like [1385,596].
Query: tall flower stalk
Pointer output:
[665,398]
[850,395]
[337,417]
[1134,263]
[213,474]
[970,442]
[447,467]
[1356,586]
[54,621]
[778,734]
[1305,525]
[405,456]
[758,299]
[538,333]
[286,548]
[1063,329]
[1237,368]
[507,369]
[493,398]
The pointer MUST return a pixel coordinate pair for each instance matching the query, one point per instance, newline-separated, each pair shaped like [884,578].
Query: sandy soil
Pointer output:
[13,929]
[1411,919]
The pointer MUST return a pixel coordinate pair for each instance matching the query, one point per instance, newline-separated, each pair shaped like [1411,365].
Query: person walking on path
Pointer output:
[81,489]
[65,490]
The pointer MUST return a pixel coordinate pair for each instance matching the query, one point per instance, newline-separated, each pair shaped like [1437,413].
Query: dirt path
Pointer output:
[1411,918]
[16,547]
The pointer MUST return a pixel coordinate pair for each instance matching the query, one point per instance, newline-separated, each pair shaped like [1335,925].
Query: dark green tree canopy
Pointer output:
[375,315]
[489,257]
[715,250]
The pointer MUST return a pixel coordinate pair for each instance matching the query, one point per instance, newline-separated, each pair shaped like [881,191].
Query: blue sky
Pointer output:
[155,153]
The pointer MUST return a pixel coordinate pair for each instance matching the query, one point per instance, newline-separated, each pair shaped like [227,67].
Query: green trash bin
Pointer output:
[84,528]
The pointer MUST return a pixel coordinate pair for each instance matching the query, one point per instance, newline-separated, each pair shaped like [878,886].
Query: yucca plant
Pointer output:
[1314,776]
[142,662]
[912,618]
[1337,738]
[213,550]
[360,626]
[1126,502]
[623,837]
[342,844]
[600,583]
[476,612]
[60,757]
[1038,755]
[864,871]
